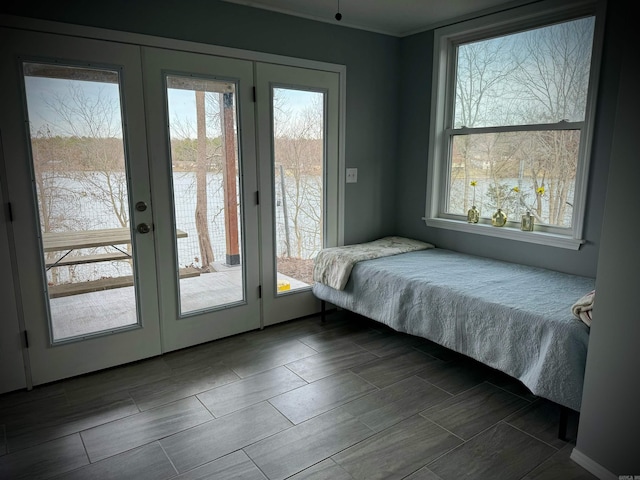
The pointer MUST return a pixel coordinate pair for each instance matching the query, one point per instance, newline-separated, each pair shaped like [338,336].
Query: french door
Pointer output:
[76,163]
[298,119]
[200,116]
[155,204]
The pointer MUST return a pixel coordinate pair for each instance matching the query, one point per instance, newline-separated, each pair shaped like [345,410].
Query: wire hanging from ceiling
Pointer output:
[338,15]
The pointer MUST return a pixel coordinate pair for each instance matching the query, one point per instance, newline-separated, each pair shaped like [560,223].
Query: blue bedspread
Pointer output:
[511,317]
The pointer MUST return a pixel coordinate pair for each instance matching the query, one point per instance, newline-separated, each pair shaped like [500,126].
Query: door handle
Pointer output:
[143,228]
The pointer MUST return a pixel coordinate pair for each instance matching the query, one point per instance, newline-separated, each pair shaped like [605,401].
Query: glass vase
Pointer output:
[499,219]
[473,215]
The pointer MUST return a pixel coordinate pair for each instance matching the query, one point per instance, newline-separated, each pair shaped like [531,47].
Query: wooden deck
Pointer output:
[95,311]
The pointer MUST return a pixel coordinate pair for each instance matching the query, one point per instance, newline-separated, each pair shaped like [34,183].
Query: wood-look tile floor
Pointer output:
[344,399]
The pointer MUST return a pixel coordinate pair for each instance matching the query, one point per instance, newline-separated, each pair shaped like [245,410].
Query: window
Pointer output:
[511,123]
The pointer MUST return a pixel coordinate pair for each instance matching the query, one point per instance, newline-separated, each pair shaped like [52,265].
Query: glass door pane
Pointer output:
[81,183]
[298,166]
[206,191]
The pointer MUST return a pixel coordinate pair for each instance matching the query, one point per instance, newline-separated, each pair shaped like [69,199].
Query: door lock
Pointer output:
[143,228]
[141,206]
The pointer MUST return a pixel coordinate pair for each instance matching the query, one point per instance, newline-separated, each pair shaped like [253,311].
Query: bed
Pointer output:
[515,318]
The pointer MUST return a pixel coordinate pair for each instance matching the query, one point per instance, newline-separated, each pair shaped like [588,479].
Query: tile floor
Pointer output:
[347,399]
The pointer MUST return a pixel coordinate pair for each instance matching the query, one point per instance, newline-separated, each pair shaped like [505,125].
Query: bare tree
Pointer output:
[299,148]
[482,77]
[57,200]
[187,139]
[554,78]
[78,159]
[96,155]
[202,219]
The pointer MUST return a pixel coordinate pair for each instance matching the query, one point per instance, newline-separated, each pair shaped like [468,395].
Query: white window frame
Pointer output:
[442,101]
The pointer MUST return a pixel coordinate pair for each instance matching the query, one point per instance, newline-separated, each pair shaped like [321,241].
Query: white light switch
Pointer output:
[352,175]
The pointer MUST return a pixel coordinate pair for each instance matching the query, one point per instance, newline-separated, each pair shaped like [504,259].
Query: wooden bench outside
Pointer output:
[67,289]
[78,240]
[81,259]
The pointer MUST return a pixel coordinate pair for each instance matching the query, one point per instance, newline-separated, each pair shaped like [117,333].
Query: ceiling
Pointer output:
[391,17]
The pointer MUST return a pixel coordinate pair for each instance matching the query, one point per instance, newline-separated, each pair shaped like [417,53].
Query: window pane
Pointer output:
[533,77]
[79,169]
[515,171]
[205,167]
[298,155]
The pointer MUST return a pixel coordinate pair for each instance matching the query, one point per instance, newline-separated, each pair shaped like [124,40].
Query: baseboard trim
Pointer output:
[591,466]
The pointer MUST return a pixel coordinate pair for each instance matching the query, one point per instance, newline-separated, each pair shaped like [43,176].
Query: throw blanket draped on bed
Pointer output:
[333,265]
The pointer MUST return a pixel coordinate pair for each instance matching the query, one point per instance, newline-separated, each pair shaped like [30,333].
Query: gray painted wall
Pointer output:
[372,76]
[610,418]
[416,53]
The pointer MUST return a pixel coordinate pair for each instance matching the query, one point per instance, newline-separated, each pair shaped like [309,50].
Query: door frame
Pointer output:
[13,356]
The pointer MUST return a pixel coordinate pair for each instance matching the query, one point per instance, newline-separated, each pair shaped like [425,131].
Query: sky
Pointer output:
[41,92]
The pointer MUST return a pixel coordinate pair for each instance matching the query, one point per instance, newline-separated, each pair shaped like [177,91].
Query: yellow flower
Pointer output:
[540,191]
[473,183]
[514,189]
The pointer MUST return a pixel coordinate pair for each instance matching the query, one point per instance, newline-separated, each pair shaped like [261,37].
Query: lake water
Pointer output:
[78,204]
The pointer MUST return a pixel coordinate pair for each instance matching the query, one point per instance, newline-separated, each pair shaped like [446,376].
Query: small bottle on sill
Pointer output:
[473,215]
[499,219]
[527,222]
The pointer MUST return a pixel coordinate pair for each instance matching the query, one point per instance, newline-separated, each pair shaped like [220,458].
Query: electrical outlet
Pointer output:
[352,175]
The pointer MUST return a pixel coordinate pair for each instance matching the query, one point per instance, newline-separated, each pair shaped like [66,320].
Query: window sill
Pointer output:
[540,238]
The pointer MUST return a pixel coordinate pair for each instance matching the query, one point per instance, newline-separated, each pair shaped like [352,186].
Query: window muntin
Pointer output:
[512,106]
